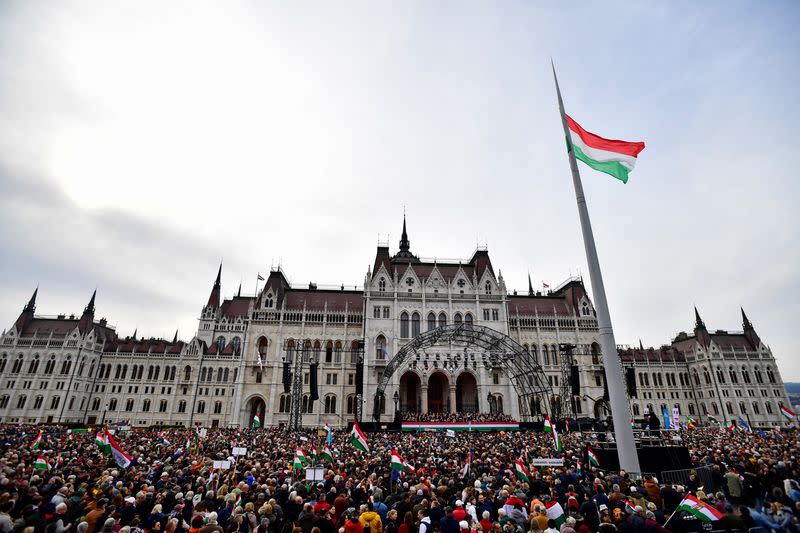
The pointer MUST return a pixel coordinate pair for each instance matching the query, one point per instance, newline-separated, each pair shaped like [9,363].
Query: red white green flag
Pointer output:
[699,509]
[122,458]
[556,512]
[550,428]
[522,471]
[613,157]
[41,463]
[300,454]
[37,443]
[592,457]
[399,464]
[358,439]
[785,411]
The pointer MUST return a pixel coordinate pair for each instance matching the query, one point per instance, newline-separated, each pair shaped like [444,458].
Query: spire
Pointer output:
[530,285]
[175,338]
[87,319]
[134,333]
[641,346]
[745,322]
[213,299]
[698,322]
[405,245]
[27,312]
[239,293]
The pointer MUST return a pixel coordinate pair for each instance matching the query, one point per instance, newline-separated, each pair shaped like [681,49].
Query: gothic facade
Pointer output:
[77,369]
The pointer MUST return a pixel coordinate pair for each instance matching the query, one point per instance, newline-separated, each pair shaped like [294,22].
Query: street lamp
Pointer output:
[489,402]
[396,398]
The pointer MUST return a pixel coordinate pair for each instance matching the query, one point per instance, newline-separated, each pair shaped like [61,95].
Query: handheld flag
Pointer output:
[301,455]
[326,455]
[592,457]
[616,158]
[37,442]
[522,472]
[556,512]
[550,428]
[785,411]
[467,466]
[358,439]
[297,463]
[698,509]
[41,463]
[122,458]
[102,442]
[744,425]
[256,419]
[399,464]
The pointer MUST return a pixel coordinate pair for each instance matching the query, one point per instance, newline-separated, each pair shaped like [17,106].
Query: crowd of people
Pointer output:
[462,484]
[409,416]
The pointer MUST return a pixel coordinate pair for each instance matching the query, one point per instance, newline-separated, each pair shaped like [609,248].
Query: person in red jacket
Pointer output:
[353,525]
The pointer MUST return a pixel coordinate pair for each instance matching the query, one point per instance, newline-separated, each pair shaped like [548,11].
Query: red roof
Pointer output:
[237,306]
[45,326]
[315,300]
[731,340]
[541,305]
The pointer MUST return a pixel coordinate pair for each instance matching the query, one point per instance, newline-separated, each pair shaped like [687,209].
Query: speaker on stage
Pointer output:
[630,381]
[575,380]
[287,378]
[360,376]
[312,381]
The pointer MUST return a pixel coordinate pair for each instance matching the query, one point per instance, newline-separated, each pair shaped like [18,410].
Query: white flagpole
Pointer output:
[620,410]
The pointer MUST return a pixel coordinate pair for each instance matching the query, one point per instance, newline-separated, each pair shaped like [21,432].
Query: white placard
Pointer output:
[547,461]
[238,451]
[304,439]
[203,432]
[222,465]
[451,433]
[315,474]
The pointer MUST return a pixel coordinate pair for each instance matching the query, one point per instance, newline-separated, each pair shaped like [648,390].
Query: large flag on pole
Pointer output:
[785,411]
[592,457]
[522,472]
[37,443]
[616,158]
[358,439]
[620,407]
[550,428]
[399,464]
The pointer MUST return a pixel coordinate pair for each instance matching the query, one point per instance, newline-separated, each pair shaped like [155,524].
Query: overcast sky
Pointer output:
[140,143]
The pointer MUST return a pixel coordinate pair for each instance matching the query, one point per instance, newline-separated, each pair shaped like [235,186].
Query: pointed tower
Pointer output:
[239,292]
[175,338]
[213,298]
[135,331]
[26,316]
[700,331]
[87,318]
[750,332]
[641,346]
[405,244]
[530,285]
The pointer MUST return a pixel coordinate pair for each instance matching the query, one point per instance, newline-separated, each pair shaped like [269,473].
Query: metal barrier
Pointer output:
[681,477]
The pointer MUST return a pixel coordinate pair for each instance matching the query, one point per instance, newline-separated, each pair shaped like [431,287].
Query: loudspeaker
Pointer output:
[287,378]
[575,380]
[312,381]
[360,377]
[630,381]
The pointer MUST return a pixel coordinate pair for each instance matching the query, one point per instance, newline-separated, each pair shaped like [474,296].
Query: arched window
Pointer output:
[4,401]
[37,402]
[182,406]
[382,285]
[707,376]
[306,351]
[330,404]
[768,407]
[285,403]
[317,351]
[380,347]
[499,402]
[442,320]
[66,365]
[715,408]
[691,408]
[431,321]
[457,318]
[487,288]
[415,324]
[546,355]
[118,371]
[219,376]
[756,409]
[129,405]
[468,319]
[351,400]
[746,375]
[210,376]
[734,377]
[34,366]
[307,405]
[217,408]
[96,404]
[742,408]
[21,401]
[17,365]
[337,352]
[329,352]
[720,376]
[290,351]
[146,406]
[227,375]
[355,352]
[759,377]
[403,325]
[770,375]
[635,409]
[729,407]
[187,373]
[112,404]
[220,344]
[203,372]
[535,353]
[595,353]
[237,346]
[262,347]
[201,407]
[3,362]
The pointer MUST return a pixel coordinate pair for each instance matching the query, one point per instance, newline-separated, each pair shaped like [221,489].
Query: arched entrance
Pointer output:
[467,346]
[438,398]
[602,409]
[255,406]
[409,393]
[466,393]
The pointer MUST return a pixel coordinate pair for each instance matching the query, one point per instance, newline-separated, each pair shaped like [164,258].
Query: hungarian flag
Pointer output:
[211,484]
[465,471]
[556,512]
[164,439]
[550,428]
[358,439]
[616,158]
[297,463]
[301,455]
[399,464]
[41,463]
[102,442]
[256,419]
[37,442]
[731,426]
[785,411]
[326,455]
[122,458]
[592,457]
[712,418]
[699,509]
[314,454]
[522,471]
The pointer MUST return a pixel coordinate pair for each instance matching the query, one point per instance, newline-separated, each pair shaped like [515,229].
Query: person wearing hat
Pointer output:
[459,513]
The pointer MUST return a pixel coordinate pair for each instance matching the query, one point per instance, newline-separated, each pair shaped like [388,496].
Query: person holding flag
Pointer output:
[358,439]
[256,421]
[122,459]
[549,427]
[399,464]
[467,469]
[37,442]
[522,471]
[592,457]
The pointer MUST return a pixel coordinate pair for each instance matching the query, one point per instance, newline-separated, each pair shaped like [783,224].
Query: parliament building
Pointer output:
[252,351]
